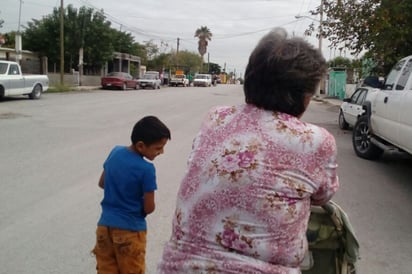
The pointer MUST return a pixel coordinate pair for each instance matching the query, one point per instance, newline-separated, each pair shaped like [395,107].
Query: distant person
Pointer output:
[214,79]
[190,77]
[255,170]
[162,82]
[129,183]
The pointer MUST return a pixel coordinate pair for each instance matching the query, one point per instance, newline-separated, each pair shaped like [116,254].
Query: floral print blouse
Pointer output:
[244,203]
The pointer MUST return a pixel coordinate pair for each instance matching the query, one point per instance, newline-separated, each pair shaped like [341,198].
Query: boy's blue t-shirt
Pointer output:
[127,176]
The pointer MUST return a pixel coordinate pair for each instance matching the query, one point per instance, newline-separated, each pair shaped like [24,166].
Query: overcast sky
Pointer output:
[236,25]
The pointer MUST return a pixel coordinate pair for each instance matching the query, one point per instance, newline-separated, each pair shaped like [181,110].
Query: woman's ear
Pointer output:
[306,101]
[139,146]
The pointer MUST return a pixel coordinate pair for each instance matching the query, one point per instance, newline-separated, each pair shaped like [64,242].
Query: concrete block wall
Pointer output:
[73,79]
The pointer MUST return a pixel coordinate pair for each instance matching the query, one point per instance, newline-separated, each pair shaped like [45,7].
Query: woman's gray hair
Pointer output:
[281,72]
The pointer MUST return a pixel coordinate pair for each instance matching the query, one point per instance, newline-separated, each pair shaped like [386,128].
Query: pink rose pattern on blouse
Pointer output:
[244,203]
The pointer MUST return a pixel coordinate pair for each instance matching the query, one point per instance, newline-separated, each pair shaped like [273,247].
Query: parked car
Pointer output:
[150,79]
[351,108]
[13,82]
[386,123]
[120,80]
[202,80]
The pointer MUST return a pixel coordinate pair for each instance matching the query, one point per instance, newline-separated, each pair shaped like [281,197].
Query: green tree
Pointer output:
[341,62]
[152,50]
[204,34]
[214,68]
[140,50]
[189,62]
[9,39]
[85,29]
[379,27]
[160,62]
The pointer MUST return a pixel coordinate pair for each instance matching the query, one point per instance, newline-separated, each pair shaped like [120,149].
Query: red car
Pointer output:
[121,80]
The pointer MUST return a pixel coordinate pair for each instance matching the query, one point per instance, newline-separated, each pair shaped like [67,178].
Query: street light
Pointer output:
[319,37]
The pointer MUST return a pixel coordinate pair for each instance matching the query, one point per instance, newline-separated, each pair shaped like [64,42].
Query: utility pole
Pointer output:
[177,52]
[18,43]
[320,24]
[61,42]
[322,81]
[120,52]
[208,63]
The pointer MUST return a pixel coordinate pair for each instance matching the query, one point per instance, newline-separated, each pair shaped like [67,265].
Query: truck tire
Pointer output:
[36,92]
[361,140]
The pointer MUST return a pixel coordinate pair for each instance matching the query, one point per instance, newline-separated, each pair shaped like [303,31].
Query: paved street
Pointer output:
[52,151]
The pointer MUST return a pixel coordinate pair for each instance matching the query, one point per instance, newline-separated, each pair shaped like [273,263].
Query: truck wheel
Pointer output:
[36,93]
[361,140]
[342,123]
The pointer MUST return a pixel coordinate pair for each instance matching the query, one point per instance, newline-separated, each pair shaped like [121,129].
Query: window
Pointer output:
[390,80]
[355,96]
[13,70]
[3,68]
[403,78]
[361,96]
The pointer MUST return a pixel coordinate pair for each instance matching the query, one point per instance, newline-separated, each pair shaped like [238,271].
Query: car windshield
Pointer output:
[202,77]
[115,74]
[149,76]
[3,68]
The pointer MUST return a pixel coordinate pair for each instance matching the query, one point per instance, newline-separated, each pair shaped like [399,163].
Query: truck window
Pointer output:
[3,68]
[355,96]
[361,97]
[13,70]
[390,80]
[403,78]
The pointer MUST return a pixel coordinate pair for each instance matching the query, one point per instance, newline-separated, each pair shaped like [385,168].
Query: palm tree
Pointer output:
[204,34]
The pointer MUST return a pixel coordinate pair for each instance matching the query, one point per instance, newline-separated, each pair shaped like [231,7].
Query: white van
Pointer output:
[202,80]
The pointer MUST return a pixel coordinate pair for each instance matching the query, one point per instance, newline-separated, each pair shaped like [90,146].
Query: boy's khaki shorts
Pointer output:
[120,251]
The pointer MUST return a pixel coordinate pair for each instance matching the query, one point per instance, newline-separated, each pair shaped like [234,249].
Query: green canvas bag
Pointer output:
[333,247]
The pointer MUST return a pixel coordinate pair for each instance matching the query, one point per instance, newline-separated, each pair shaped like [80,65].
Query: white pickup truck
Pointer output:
[386,123]
[179,80]
[13,82]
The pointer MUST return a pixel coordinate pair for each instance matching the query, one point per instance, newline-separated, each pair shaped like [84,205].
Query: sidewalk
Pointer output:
[327,99]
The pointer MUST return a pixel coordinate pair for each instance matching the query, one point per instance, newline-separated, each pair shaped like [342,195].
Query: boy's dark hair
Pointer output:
[149,130]
[281,71]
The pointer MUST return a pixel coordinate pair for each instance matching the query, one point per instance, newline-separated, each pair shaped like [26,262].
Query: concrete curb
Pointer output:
[86,88]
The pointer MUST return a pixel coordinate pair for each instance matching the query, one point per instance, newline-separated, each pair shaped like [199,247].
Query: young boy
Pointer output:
[129,183]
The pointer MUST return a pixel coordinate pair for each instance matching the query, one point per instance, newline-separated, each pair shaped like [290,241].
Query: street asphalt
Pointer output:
[327,99]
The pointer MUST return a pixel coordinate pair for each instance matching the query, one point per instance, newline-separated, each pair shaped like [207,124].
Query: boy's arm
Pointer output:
[149,202]
[101,180]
